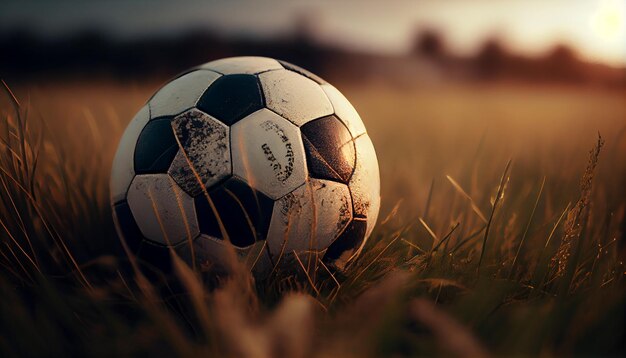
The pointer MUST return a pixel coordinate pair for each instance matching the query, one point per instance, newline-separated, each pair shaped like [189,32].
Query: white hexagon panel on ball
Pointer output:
[123,170]
[309,218]
[213,254]
[204,156]
[164,213]
[181,94]
[244,64]
[294,96]
[365,182]
[267,152]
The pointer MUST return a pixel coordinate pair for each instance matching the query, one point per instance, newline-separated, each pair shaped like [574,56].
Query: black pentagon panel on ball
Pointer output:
[207,222]
[127,225]
[329,148]
[244,212]
[156,147]
[157,256]
[347,244]
[232,97]
[302,71]
[145,252]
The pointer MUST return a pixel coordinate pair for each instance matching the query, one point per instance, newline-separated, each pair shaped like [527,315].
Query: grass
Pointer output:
[500,234]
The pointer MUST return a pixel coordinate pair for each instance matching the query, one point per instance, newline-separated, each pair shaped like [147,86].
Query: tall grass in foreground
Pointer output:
[512,273]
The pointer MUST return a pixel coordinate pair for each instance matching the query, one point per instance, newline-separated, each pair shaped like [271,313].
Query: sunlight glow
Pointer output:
[607,22]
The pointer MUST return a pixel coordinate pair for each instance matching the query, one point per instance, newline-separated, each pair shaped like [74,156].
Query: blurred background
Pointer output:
[405,42]
[446,88]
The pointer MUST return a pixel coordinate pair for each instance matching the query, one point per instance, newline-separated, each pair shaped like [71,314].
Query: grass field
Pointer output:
[502,232]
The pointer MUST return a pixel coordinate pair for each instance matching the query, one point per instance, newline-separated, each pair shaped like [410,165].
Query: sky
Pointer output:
[596,29]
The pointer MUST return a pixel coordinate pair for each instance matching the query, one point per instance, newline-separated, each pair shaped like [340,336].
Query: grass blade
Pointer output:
[493,210]
[530,220]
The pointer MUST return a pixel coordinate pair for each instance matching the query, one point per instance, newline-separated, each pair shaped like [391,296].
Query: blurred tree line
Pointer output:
[25,55]
[494,61]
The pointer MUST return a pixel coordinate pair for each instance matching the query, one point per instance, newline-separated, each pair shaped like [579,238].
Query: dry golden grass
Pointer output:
[483,202]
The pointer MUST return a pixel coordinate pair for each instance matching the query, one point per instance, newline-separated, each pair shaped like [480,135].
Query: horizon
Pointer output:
[595,30]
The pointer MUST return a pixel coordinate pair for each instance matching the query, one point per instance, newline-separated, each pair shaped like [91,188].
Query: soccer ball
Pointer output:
[248,151]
